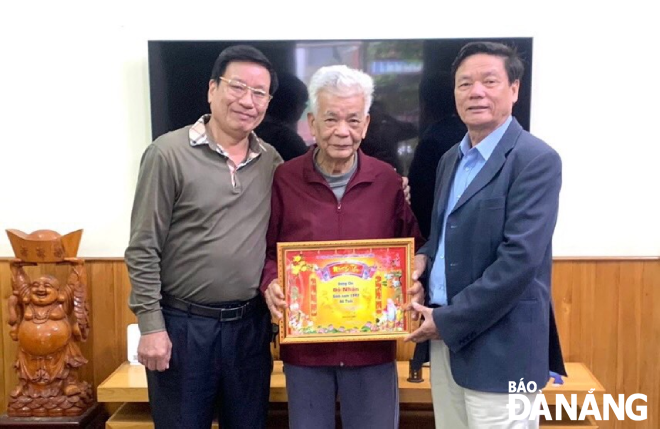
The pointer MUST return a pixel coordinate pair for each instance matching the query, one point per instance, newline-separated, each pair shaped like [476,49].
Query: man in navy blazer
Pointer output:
[488,260]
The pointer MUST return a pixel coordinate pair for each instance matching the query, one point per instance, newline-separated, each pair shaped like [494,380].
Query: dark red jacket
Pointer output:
[304,208]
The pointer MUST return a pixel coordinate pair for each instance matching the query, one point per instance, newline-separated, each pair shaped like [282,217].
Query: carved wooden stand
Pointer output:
[93,418]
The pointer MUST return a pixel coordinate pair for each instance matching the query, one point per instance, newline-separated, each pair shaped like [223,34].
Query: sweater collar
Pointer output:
[366,173]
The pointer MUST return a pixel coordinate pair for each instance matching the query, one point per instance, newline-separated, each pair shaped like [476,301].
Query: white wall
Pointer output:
[74,106]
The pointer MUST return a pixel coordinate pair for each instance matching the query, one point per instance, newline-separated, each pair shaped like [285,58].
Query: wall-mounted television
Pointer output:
[179,74]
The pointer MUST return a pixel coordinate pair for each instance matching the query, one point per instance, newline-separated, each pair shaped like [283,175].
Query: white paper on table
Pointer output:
[133,338]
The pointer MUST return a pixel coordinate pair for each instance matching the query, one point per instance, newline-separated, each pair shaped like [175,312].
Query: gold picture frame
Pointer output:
[354,290]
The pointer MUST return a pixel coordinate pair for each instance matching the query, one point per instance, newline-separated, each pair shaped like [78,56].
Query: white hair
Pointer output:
[342,81]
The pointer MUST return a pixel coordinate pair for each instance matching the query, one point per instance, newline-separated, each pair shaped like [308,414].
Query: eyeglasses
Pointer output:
[238,89]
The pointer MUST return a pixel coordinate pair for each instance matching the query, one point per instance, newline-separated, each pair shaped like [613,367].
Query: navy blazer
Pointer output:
[499,323]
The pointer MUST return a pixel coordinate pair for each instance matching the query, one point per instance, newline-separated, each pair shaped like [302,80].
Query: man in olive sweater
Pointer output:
[196,253]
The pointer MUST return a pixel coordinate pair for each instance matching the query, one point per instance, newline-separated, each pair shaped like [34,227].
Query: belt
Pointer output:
[233,311]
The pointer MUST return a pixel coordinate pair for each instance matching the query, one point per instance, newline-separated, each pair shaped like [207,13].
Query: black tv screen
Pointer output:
[407,100]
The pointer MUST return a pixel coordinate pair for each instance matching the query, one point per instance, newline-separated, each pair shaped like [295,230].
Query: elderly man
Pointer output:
[489,256]
[196,253]
[336,192]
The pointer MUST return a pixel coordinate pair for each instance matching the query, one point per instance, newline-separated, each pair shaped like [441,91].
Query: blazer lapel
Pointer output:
[443,184]
[493,165]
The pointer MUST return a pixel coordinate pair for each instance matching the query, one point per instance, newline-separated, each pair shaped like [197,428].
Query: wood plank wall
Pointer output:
[608,312]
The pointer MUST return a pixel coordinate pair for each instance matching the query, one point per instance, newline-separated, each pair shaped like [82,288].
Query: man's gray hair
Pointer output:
[342,81]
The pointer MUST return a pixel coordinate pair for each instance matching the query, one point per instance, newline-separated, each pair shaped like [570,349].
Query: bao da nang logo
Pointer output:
[522,408]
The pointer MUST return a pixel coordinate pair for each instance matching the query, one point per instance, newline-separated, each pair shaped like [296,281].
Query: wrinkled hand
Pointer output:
[417,290]
[427,330]
[406,188]
[275,299]
[155,350]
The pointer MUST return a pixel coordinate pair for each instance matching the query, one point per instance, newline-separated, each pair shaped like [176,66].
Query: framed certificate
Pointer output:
[345,290]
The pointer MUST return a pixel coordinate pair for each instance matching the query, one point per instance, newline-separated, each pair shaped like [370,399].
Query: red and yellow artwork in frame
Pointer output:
[345,290]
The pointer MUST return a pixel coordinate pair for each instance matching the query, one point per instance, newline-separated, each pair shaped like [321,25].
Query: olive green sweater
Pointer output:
[194,234]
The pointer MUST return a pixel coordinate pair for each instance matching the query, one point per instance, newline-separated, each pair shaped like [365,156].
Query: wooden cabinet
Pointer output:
[128,384]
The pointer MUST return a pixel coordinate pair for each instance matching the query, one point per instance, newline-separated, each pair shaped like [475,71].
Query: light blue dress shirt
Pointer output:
[472,160]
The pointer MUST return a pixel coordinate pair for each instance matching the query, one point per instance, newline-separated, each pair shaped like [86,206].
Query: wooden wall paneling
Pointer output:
[104,319]
[582,284]
[568,299]
[603,328]
[650,352]
[585,304]
[562,296]
[638,346]
[595,286]
[629,330]
[606,313]
[125,316]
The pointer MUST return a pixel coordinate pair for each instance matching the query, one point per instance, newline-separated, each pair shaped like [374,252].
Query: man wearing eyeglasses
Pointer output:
[196,253]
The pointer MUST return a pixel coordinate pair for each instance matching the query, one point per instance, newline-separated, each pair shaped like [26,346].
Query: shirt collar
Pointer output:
[349,173]
[198,136]
[487,145]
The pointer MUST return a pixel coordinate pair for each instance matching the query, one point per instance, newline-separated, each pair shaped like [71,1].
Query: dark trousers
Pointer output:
[368,396]
[223,366]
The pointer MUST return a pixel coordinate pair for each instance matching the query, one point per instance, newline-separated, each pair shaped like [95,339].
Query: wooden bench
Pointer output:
[128,385]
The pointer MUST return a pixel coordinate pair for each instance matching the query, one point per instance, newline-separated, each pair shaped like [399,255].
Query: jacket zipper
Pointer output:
[339,218]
